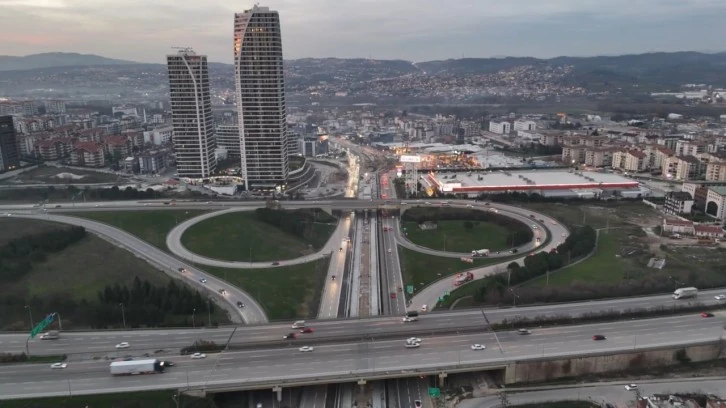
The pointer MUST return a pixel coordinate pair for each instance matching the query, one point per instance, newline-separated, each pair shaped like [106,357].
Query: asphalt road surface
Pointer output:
[99,343]
[339,360]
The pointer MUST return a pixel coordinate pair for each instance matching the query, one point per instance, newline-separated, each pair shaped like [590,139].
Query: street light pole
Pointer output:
[123,313]
[30,316]
[209,312]
[194,311]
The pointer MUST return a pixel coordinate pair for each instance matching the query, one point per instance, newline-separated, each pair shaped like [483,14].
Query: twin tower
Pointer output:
[260,102]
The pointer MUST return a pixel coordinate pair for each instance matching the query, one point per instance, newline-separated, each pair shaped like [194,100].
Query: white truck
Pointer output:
[131,367]
[481,252]
[685,293]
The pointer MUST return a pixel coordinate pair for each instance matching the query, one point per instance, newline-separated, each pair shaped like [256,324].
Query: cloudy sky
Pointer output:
[417,30]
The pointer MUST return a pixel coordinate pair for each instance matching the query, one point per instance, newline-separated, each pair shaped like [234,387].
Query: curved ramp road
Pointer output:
[173,241]
[505,211]
[251,313]
[343,362]
[430,294]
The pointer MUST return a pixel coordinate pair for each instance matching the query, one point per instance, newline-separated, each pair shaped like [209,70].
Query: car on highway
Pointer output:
[289,336]
[478,347]
[413,345]
[182,270]
[123,345]
[417,404]
[706,314]
[275,263]
[333,277]
[197,356]
[240,305]
[307,330]
[524,331]
[424,308]
[412,340]
[340,249]
[306,349]
[202,280]
[58,366]
[389,250]
[598,337]
[720,297]
[393,295]
[631,387]
[223,292]
[168,363]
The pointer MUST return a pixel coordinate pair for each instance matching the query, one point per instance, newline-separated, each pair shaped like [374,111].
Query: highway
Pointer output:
[102,342]
[340,249]
[337,362]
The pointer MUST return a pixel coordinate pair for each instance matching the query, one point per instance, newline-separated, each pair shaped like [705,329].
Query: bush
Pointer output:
[201,346]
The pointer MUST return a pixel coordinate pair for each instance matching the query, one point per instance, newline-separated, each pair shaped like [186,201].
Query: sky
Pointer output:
[414,30]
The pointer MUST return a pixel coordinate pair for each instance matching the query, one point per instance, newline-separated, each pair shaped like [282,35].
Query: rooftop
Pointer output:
[533,179]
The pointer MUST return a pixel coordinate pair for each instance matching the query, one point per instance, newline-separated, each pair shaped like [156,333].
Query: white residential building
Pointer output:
[526,125]
[502,128]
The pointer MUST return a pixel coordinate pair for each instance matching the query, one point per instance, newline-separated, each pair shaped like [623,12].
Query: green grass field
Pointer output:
[78,272]
[289,292]
[422,269]
[452,236]
[239,236]
[157,399]
[151,226]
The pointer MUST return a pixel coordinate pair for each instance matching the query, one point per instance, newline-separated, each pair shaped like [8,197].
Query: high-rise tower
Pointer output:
[191,114]
[260,92]
[8,147]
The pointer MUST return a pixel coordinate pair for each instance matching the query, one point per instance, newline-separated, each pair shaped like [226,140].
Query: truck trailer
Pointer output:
[481,252]
[685,293]
[131,367]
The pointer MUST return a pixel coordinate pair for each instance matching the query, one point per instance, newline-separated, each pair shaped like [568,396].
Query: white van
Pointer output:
[298,324]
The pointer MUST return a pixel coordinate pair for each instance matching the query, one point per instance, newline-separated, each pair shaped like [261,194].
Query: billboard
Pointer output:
[410,159]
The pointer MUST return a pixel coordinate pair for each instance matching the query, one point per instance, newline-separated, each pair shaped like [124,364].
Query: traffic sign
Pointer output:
[42,325]
[434,392]
[409,289]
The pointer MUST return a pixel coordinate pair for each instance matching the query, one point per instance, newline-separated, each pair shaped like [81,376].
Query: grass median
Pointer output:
[421,269]
[459,236]
[240,236]
[288,292]
[151,226]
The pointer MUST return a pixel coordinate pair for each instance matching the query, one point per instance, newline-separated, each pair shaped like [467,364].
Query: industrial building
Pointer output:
[552,183]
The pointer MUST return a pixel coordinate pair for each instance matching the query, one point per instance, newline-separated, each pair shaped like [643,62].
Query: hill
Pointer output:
[55,59]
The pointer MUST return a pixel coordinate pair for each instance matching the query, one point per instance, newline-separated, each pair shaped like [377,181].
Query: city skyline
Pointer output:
[407,29]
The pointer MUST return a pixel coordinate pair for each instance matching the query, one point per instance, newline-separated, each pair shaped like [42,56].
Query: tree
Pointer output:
[468,226]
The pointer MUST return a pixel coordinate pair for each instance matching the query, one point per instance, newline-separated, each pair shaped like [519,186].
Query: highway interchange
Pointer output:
[342,346]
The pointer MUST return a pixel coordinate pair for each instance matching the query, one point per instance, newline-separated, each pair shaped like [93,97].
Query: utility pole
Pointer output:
[123,313]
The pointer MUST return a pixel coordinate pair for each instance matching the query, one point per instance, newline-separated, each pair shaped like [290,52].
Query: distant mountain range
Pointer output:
[604,72]
[56,59]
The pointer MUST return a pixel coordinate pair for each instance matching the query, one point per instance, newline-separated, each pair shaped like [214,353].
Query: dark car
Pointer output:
[168,363]
[240,305]
[706,314]
[289,336]
[275,263]
[307,330]
[598,337]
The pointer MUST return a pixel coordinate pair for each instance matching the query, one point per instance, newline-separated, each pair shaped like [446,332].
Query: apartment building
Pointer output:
[260,92]
[159,136]
[573,154]
[716,202]
[689,148]
[502,128]
[689,168]
[657,155]
[526,125]
[119,145]
[228,138]
[89,154]
[630,160]
[599,157]
[677,203]
[9,159]
[53,149]
[715,171]
[191,114]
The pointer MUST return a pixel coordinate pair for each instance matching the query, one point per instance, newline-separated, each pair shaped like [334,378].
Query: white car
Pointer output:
[413,345]
[306,349]
[478,347]
[389,250]
[720,297]
[424,308]
[197,356]
[631,387]
[123,345]
[57,366]
[412,340]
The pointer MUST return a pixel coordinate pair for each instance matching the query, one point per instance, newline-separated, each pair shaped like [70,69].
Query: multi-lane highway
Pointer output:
[343,361]
[99,343]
